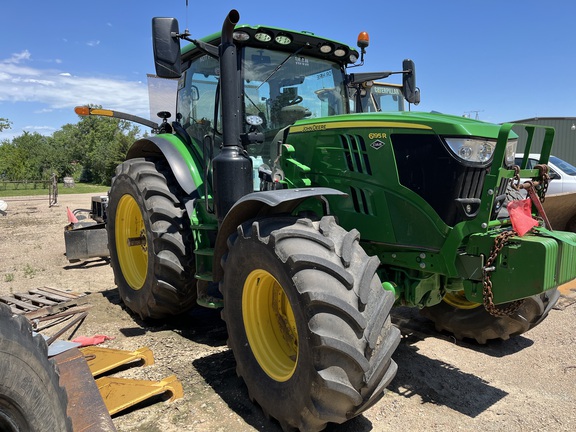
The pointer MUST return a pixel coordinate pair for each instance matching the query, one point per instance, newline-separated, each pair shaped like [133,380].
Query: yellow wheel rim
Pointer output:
[459,300]
[270,325]
[131,242]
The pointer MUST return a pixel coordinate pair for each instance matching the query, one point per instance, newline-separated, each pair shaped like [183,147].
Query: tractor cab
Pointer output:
[282,82]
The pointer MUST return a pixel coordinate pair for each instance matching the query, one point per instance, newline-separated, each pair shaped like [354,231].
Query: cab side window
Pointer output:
[197,97]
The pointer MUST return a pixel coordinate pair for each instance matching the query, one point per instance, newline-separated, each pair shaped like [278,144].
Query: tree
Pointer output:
[99,144]
[25,158]
[4,124]
[89,151]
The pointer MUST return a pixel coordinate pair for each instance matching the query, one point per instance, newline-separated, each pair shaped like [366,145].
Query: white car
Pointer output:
[562,173]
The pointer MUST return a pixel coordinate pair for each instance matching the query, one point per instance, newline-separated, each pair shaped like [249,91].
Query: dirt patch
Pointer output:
[523,384]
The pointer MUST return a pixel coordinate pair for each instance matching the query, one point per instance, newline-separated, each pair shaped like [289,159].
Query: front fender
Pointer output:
[260,204]
[181,161]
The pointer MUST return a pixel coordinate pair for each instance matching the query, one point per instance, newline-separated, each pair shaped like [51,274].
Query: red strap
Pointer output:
[521,216]
[91,340]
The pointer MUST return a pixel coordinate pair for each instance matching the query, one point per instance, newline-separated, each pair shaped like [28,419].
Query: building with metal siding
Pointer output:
[564,145]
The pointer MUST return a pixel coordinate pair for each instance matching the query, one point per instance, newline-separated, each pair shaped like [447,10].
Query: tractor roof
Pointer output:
[271,37]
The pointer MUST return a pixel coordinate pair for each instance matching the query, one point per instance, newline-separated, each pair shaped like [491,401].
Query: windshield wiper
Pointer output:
[282,64]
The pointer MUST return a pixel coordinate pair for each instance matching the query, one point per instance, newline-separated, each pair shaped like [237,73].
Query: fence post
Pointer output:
[53,191]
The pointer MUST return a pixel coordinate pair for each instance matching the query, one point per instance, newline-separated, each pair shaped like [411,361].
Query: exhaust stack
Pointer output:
[232,168]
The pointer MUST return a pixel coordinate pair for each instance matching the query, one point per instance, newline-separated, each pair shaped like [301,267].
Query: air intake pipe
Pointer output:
[232,167]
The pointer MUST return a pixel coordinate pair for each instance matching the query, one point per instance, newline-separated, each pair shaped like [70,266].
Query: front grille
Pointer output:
[426,167]
[473,180]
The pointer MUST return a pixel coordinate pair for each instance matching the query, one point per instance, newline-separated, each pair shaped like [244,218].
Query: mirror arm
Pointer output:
[360,78]
[211,50]
[372,76]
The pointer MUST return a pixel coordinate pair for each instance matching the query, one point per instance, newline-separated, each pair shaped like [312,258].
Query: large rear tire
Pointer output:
[464,319]
[150,240]
[308,321]
[31,398]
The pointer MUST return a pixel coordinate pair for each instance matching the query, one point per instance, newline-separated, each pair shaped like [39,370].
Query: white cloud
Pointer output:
[18,57]
[55,89]
[93,43]
[43,130]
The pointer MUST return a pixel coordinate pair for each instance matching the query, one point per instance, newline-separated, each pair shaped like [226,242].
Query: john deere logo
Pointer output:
[376,145]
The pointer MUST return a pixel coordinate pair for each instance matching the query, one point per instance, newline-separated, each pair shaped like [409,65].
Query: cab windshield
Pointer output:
[279,87]
[282,87]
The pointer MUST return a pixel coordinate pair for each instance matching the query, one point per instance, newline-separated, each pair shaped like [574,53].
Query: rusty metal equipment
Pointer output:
[121,393]
[86,407]
[101,360]
[87,238]
[92,402]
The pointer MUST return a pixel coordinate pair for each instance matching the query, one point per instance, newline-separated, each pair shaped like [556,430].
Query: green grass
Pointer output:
[29,271]
[77,189]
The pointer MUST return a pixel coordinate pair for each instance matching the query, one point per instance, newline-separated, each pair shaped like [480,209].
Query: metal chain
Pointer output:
[516,179]
[501,240]
[487,295]
[544,180]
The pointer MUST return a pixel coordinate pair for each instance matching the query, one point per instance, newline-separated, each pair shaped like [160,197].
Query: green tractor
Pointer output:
[306,222]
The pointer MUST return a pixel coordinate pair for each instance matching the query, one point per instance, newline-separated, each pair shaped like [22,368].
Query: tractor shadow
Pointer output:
[431,380]
[416,327]
[87,264]
[219,372]
[200,325]
[440,383]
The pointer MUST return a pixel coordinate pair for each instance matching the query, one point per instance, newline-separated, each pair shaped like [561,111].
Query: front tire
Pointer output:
[464,319]
[150,240]
[31,398]
[308,321]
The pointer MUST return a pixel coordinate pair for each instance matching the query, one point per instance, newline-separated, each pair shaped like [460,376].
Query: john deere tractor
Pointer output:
[306,222]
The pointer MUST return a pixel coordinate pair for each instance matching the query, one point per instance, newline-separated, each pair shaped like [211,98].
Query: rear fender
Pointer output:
[261,204]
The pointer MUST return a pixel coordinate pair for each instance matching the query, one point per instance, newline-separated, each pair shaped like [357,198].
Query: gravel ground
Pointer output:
[527,383]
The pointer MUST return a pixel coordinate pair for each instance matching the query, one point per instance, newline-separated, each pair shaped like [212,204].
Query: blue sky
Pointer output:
[498,60]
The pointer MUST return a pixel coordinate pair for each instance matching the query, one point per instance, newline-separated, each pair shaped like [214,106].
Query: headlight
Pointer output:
[510,152]
[472,150]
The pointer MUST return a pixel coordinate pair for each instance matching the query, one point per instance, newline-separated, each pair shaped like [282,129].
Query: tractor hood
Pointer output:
[441,124]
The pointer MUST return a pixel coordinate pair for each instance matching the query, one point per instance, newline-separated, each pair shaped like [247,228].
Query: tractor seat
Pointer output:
[289,114]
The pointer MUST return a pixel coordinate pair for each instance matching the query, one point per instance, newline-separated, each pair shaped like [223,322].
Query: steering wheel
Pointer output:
[295,101]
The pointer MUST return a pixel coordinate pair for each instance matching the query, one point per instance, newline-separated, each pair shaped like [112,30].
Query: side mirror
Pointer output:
[409,89]
[166,47]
